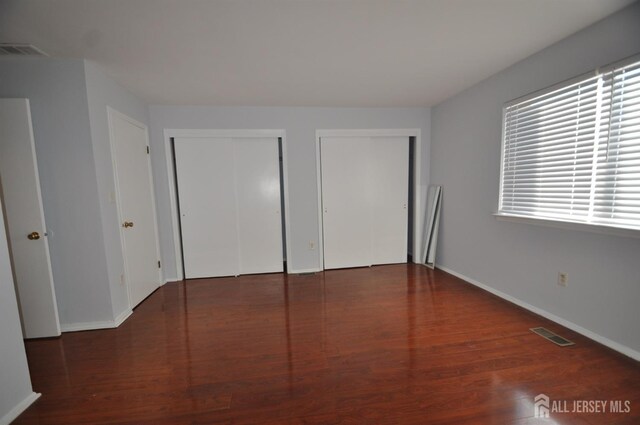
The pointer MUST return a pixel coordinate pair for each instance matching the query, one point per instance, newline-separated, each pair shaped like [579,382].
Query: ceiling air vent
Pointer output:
[12,49]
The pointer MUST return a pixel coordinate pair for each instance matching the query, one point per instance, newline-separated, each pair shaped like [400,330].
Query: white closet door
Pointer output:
[390,178]
[346,201]
[257,177]
[208,214]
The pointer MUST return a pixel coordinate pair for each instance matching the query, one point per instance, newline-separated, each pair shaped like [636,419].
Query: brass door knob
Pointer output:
[33,236]
[127,224]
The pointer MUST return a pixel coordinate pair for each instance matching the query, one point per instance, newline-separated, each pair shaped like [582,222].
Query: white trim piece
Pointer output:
[19,408]
[320,243]
[569,225]
[417,176]
[122,317]
[173,201]
[629,352]
[206,133]
[88,326]
[111,112]
[303,271]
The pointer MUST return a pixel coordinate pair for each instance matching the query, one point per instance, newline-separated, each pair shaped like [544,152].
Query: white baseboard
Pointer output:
[91,326]
[629,352]
[303,271]
[87,326]
[122,317]
[21,407]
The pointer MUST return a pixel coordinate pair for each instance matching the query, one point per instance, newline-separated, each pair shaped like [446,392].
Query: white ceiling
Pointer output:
[297,52]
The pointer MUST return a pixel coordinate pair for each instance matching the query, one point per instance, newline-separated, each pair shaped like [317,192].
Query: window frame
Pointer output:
[550,221]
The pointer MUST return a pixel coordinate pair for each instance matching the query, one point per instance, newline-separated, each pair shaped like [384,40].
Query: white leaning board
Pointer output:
[364,200]
[229,198]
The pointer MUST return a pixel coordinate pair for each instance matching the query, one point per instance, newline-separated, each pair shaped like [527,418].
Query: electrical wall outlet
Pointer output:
[563,279]
[312,245]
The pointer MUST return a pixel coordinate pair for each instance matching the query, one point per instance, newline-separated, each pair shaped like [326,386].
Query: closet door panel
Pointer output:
[390,184]
[208,215]
[257,177]
[346,201]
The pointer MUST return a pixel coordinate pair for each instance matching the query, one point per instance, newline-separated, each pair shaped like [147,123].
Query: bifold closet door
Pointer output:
[229,198]
[365,188]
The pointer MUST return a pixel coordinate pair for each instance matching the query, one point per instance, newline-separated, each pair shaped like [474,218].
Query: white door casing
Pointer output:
[136,205]
[20,184]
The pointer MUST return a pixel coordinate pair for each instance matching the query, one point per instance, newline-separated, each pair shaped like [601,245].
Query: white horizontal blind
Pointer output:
[573,153]
[617,179]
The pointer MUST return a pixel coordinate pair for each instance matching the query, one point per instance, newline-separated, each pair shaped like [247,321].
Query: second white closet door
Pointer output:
[257,179]
[390,177]
[364,199]
[229,195]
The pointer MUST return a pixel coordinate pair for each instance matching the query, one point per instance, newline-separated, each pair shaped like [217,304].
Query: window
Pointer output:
[572,152]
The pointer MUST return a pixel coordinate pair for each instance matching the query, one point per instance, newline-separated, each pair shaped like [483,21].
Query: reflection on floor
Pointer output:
[383,345]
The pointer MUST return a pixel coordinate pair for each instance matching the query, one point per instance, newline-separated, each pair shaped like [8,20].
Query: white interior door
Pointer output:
[346,201]
[390,178]
[20,185]
[365,189]
[205,172]
[257,178]
[136,206]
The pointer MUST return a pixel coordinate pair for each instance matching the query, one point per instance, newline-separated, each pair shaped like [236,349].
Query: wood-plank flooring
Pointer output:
[397,344]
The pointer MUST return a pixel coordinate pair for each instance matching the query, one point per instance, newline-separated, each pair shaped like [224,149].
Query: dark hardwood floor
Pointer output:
[395,344]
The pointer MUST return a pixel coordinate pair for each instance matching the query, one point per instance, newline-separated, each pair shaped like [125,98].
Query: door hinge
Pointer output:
[147,150]
[159,266]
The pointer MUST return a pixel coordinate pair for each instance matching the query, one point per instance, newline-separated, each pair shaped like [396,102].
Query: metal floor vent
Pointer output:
[13,49]
[556,339]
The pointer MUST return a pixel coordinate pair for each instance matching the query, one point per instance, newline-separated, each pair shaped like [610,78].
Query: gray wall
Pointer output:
[523,260]
[103,92]
[15,383]
[58,95]
[300,125]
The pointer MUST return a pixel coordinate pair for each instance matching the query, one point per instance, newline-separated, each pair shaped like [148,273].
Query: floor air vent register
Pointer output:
[556,339]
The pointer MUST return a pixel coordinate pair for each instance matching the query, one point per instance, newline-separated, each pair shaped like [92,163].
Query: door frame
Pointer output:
[170,134]
[417,174]
[111,114]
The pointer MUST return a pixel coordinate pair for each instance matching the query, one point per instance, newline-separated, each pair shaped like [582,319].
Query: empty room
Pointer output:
[319,212]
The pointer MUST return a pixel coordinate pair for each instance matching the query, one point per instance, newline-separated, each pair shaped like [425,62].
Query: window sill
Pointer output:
[569,225]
